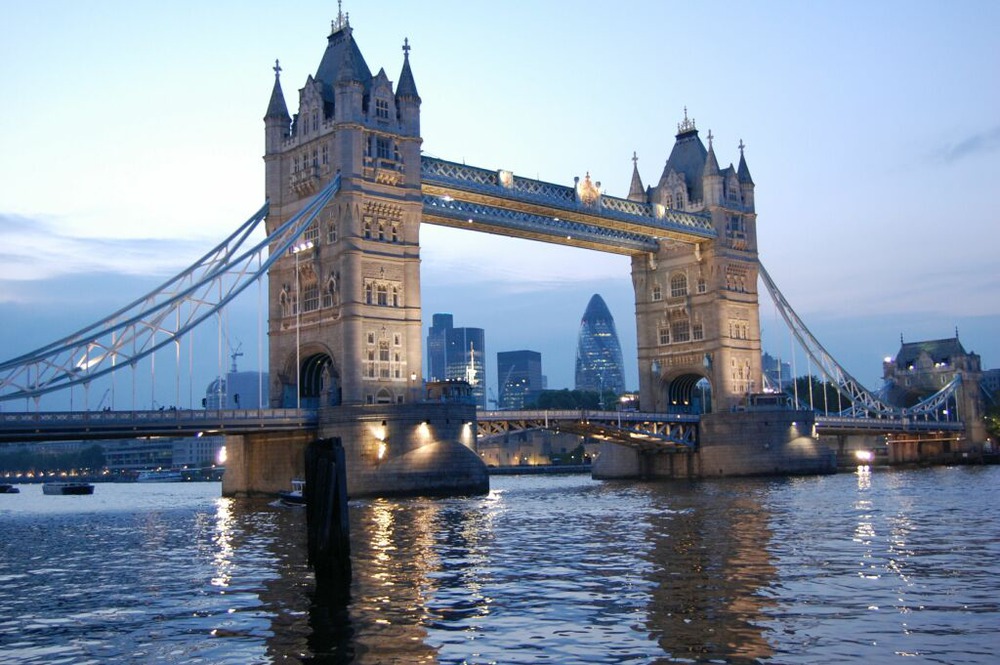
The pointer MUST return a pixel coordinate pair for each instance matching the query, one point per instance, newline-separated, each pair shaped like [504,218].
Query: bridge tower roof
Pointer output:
[276,107]
[342,59]
[687,158]
[636,192]
[743,172]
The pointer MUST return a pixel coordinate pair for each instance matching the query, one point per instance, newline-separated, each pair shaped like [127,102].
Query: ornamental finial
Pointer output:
[686,125]
[741,146]
[341,21]
[277,68]
[710,137]
[406,48]
[635,159]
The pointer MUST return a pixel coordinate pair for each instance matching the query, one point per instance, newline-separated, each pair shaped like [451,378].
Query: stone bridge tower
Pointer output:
[344,321]
[696,307]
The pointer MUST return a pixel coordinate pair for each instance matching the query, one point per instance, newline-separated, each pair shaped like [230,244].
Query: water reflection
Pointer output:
[712,567]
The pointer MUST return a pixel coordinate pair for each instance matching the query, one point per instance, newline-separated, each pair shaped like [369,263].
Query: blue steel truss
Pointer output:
[863,403]
[552,227]
[162,316]
[654,221]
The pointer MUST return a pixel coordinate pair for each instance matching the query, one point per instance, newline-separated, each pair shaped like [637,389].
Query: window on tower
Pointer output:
[383,148]
[381,109]
[678,285]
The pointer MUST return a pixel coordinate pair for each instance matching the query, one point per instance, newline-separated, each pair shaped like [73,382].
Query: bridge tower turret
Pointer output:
[696,307]
[344,322]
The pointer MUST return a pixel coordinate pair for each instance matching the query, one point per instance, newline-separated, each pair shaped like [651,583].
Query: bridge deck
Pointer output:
[73,425]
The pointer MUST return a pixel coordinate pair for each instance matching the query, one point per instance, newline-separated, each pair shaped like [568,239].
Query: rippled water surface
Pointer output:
[866,567]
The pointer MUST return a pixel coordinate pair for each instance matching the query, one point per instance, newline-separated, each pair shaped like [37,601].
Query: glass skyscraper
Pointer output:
[599,366]
[519,375]
[457,353]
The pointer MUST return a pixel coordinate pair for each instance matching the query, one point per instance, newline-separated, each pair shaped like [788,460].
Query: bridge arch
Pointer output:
[688,392]
[318,376]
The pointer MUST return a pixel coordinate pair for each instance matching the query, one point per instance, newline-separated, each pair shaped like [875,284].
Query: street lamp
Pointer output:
[298,320]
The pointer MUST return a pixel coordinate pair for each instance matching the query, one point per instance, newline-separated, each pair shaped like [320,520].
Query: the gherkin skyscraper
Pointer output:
[599,365]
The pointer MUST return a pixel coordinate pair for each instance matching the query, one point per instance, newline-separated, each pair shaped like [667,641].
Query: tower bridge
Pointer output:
[347,191]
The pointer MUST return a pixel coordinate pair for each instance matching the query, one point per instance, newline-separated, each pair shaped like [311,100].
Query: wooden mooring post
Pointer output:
[329,542]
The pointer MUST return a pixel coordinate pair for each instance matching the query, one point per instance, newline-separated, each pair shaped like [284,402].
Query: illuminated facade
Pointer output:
[345,304]
[697,316]
[599,366]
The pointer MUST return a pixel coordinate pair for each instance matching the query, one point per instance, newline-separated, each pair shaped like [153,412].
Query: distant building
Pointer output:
[921,369]
[777,374]
[238,390]
[991,384]
[599,366]
[519,378]
[457,353]
[163,453]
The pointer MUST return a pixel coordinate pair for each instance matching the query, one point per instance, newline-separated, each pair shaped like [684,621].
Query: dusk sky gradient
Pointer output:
[133,138]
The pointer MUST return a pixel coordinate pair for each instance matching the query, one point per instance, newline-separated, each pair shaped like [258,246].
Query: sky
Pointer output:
[133,134]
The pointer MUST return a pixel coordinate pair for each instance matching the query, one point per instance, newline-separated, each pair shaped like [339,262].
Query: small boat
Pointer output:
[67,488]
[295,496]
[159,476]
[8,489]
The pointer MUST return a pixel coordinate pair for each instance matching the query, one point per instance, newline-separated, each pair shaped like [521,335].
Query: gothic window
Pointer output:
[315,159]
[368,227]
[381,231]
[328,293]
[383,148]
[670,201]
[395,296]
[315,121]
[369,293]
[702,285]
[657,294]
[697,332]
[331,232]
[382,295]
[382,109]
[312,234]
[310,300]
[678,285]
[397,340]
[395,232]
[371,338]
[295,164]
[664,336]
[370,364]
[326,155]
[680,331]
[295,303]
[283,301]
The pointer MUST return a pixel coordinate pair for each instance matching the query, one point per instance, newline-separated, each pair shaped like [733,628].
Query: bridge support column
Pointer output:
[264,464]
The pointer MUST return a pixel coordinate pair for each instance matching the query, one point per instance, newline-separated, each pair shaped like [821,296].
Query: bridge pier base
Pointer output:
[746,443]
[391,449]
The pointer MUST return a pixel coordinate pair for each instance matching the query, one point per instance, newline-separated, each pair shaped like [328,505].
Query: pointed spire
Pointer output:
[743,173]
[277,108]
[636,192]
[407,86]
[711,163]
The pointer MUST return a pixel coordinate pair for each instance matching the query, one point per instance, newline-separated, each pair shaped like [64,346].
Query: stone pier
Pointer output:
[417,449]
[730,444]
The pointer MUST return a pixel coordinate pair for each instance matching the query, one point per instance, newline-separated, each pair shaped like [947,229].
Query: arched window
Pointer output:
[369,293]
[382,295]
[680,331]
[368,228]
[283,301]
[678,285]
[395,232]
[381,231]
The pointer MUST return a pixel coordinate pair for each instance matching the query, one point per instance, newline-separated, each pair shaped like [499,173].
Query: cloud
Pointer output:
[37,249]
[982,143]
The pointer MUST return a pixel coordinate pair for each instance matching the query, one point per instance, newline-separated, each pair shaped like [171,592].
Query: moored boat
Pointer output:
[159,476]
[6,488]
[295,496]
[67,488]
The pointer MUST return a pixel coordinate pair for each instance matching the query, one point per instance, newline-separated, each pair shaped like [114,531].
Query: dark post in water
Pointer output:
[329,541]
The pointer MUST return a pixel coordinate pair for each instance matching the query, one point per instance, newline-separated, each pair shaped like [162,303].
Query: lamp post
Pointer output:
[298,320]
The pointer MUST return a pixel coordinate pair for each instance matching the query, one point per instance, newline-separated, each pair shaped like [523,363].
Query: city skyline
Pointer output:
[131,156]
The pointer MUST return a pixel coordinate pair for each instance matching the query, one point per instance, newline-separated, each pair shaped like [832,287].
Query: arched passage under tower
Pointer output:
[319,383]
[686,393]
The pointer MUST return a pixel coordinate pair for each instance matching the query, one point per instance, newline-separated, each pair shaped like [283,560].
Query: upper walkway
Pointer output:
[500,202]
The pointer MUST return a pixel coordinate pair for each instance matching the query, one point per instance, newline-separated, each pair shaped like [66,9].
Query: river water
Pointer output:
[868,567]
